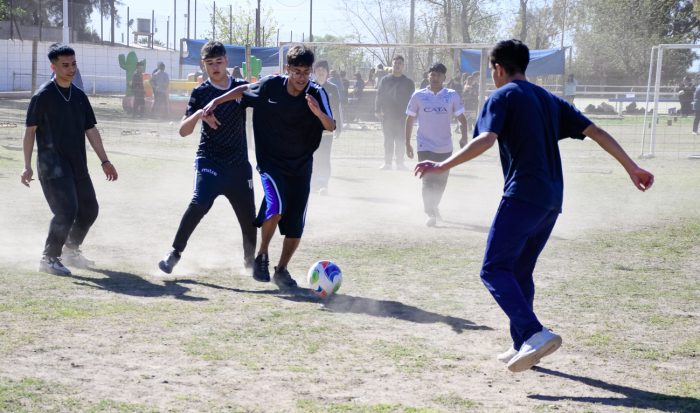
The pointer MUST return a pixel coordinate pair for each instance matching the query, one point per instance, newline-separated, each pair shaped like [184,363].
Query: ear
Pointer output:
[53,67]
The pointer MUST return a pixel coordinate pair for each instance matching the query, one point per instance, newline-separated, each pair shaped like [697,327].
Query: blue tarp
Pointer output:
[235,54]
[542,62]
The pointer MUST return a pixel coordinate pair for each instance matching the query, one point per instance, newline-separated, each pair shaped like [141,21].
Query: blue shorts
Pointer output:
[287,196]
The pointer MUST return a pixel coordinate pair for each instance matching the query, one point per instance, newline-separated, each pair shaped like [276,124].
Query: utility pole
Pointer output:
[411,39]
[311,20]
[195,19]
[213,22]
[188,19]
[257,25]
[65,22]
[174,24]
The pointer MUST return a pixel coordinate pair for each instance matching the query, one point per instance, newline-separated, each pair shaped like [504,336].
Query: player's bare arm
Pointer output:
[409,132]
[641,178]
[327,121]
[464,129]
[476,147]
[188,123]
[28,149]
[233,94]
[93,136]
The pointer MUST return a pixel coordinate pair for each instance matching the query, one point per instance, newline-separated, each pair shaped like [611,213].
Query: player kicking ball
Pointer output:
[290,114]
[527,121]
[221,165]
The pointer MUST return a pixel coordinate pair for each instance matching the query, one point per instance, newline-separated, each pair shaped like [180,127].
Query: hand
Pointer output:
[110,171]
[313,104]
[211,120]
[26,176]
[409,150]
[209,108]
[426,167]
[642,179]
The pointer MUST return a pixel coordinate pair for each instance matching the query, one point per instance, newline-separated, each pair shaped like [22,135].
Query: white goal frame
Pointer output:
[658,53]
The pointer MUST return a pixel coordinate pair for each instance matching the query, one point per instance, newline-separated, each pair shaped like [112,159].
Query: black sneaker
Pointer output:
[53,265]
[169,262]
[283,279]
[261,269]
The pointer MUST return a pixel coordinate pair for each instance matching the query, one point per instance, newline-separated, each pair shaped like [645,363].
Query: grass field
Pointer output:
[412,328]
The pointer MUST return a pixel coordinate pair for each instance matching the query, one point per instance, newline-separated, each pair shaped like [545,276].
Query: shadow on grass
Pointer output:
[635,398]
[131,284]
[341,303]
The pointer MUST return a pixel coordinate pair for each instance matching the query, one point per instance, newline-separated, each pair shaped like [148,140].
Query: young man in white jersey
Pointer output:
[434,107]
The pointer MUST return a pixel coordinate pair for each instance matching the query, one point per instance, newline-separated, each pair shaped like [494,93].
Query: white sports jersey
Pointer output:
[434,112]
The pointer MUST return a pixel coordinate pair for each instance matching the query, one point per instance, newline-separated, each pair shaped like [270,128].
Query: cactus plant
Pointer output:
[128,63]
[255,66]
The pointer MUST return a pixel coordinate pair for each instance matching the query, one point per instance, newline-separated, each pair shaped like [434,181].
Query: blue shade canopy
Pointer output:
[235,54]
[542,62]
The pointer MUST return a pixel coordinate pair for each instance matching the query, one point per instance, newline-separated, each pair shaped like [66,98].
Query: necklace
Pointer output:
[70,91]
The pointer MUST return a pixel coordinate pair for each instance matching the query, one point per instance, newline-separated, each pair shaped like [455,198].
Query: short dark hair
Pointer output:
[512,55]
[323,64]
[58,49]
[399,57]
[438,67]
[300,55]
[212,49]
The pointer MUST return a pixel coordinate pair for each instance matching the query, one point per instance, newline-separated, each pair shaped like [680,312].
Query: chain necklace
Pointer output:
[70,91]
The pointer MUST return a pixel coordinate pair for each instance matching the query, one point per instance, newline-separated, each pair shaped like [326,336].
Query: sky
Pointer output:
[291,15]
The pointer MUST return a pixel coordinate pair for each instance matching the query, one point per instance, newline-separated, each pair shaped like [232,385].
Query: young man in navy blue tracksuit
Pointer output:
[221,164]
[527,121]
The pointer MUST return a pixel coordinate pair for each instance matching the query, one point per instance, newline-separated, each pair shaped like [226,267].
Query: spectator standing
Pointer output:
[160,83]
[570,89]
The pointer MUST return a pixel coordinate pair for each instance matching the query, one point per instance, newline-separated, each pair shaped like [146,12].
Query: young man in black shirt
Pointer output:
[58,118]
[290,114]
[221,163]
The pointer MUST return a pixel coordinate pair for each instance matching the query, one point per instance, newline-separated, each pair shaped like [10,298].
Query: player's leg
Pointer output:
[207,186]
[61,195]
[433,186]
[273,205]
[240,195]
[388,143]
[292,226]
[88,209]
[399,142]
[322,165]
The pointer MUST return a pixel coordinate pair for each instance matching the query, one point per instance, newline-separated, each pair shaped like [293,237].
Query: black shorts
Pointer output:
[285,195]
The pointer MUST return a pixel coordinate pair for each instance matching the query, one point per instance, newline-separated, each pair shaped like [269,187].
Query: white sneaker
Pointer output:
[430,222]
[506,356]
[539,345]
[75,258]
[53,265]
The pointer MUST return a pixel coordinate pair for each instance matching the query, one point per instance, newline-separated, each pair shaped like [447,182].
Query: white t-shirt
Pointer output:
[434,112]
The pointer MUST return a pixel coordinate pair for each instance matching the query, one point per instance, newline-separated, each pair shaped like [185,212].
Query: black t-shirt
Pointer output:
[227,144]
[286,131]
[393,94]
[61,117]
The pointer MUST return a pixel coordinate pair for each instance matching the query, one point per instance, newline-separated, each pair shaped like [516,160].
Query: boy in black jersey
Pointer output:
[221,164]
[58,118]
[289,115]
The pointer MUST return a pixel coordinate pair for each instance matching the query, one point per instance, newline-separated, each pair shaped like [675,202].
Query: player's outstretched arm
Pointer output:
[95,140]
[641,178]
[408,131]
[28,149]
[327,121]
[464,129]
[476,147]
[233,94]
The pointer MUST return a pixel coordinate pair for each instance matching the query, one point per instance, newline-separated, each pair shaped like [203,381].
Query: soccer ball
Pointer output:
[325,278]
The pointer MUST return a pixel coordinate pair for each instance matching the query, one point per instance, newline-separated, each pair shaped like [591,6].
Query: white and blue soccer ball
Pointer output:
[325,278]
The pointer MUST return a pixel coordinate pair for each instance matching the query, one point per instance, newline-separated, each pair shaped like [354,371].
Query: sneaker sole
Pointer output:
[53,272]
[163,268]
[529,361]
[261,279]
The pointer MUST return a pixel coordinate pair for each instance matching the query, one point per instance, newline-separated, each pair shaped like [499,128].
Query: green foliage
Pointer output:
[238,27]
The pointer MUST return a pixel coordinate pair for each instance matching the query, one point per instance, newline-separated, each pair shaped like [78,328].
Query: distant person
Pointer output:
[138,91]
[290,114]
[236,73]
[456,82]
[570,89]
[434,107]
[335,79]
[393,94]
[160,83]
[528,122]
[379,73]
[685,96]
[371,77]
[345,83]
[321,173]
[696,109]
[425,82]
[59,118]
[470,97]
[221,165]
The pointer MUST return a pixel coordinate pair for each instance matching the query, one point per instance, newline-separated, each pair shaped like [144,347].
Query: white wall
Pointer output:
[99,65]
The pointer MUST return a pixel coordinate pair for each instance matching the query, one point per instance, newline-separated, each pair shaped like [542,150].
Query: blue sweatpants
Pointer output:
[518,234]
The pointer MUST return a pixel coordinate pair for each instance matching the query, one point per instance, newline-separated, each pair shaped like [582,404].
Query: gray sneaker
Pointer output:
[53,265]
[283,279]
[169,262]
[261,269]
[75,258]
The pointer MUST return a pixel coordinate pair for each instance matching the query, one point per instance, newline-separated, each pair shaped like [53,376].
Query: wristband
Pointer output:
[104,162]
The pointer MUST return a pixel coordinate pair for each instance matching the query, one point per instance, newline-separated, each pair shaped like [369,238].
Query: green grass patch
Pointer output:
[309,406]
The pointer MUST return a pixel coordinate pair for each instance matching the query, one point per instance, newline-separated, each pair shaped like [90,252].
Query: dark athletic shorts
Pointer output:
[285,195]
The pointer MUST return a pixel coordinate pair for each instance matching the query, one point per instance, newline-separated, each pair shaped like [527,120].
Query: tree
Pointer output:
[239,27]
